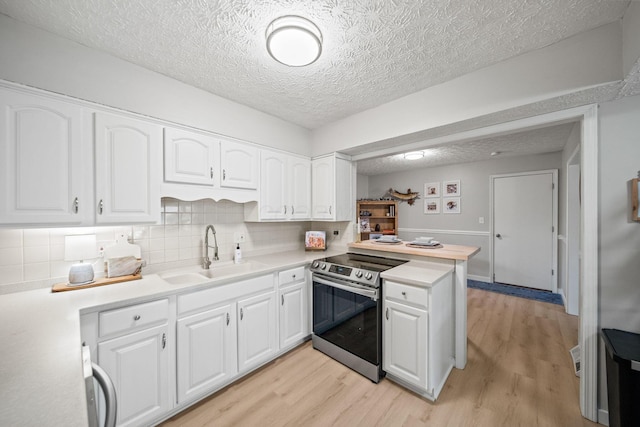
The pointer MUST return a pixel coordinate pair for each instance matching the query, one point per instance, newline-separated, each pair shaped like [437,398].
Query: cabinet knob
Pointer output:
[76,204]
[404,294]
[100,207]
[293,275]
[136,317]
[211,172]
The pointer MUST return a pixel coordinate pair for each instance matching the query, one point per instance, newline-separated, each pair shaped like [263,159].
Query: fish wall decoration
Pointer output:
[408,197]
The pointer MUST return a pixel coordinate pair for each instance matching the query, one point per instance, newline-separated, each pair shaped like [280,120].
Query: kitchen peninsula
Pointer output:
[453,255]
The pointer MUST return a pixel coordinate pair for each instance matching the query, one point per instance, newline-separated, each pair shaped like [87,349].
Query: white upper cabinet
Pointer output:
[285,188]
[46,175]
[239,165]
[128,169]
[332,189]
[190,157]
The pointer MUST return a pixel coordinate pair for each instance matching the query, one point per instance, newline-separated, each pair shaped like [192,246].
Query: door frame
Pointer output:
[572,239]
[554,213]
[587,116]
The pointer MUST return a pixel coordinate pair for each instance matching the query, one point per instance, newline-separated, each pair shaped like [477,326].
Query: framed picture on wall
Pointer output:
[432,206]
[451,205]
[635,197]
[432,189]
[451,188]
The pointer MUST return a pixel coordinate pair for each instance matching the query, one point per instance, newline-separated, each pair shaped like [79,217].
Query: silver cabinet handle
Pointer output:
[224,174]
[227,319]
[285,209]
[136,317]
[282,298]
[164,341]
[293,210]
[100,207]
[387,313]
[211,172]
[330,211]
[241,314]
[76,204]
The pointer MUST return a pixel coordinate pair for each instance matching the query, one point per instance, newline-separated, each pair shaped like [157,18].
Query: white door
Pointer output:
[207,351]
[128,169]
[293,314]
[138,365]
[524,230]
[405,342]
[257,330]
[239,163]
[190,157]
[300,187]
[41,161]
[273,185]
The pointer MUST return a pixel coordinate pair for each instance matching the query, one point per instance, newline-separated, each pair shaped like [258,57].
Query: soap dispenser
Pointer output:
[237,257]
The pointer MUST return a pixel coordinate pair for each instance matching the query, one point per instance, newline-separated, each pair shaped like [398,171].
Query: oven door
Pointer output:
[348,315]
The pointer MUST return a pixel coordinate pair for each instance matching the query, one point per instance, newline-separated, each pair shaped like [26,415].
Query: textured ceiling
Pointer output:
[545,140]
[374,51]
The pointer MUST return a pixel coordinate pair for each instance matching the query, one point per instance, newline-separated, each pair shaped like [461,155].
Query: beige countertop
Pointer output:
[454,252]
[418,273]
[41,381]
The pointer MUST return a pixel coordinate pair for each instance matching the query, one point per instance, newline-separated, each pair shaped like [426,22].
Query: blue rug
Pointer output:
[516,291]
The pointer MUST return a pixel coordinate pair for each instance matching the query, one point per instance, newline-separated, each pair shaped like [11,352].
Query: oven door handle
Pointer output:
[335,283]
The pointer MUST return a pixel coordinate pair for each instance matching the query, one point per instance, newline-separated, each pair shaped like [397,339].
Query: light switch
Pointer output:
[481,220]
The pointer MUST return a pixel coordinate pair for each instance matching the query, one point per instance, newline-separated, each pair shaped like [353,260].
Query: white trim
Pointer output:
[554,237]
[479,278]
[588,336]
[436,231]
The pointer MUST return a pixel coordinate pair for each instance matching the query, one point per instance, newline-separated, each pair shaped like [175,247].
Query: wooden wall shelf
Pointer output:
[381,212]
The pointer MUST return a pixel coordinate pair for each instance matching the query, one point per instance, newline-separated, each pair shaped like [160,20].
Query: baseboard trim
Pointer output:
[485,279]
[603,417]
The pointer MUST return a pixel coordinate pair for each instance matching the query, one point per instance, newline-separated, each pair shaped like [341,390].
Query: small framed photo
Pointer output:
[315,241]
[432,189]
[451,188]
[432,206]
[451,205]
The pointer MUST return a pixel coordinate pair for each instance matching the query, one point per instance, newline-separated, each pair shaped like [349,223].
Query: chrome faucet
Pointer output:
[206,262]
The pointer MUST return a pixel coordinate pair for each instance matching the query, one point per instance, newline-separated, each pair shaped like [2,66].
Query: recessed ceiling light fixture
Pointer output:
[294,41]
[414,155]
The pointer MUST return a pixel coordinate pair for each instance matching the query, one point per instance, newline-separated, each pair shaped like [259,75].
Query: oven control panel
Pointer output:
[339,269]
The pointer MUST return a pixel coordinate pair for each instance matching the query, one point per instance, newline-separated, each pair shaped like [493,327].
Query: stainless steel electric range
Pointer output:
[347,310]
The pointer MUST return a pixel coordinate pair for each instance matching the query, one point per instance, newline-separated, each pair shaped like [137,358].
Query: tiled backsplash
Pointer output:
[32,258]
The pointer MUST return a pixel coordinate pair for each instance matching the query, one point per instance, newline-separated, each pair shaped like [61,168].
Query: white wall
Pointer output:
[34,57]
[631,37]
[475,189]
[588,59]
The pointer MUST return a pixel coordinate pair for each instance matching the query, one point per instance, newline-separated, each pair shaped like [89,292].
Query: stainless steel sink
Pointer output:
[216,271]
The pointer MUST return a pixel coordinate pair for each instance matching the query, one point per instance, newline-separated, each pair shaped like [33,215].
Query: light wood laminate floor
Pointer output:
[519,373]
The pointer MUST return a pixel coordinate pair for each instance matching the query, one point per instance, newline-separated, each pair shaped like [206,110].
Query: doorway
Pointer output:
[524,229]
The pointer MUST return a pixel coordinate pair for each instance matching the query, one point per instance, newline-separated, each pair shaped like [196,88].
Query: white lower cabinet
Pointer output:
[418,345]
[206,351]
[257,330]
[138,361]
[293,311]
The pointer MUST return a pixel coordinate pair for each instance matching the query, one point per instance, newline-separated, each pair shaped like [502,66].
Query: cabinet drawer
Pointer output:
[291,276]
[406,293]
[133,317]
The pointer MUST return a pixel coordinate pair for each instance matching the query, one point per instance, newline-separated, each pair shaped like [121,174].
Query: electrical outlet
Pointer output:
[238,237]
[336,232]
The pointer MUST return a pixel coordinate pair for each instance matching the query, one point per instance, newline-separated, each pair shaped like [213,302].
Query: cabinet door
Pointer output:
[323,182]
[405,343]
[257,330]
[273,185]
[138,365]
[293,314]
[239,163]
[190,157]
[300,188]
[207,351]
[128,159]
[41,161]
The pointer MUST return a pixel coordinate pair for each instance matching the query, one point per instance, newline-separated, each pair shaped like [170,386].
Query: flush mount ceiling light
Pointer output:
[414,155]
[294,41]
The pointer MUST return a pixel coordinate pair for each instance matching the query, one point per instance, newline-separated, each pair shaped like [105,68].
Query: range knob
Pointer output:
[368,276]
[315,264]
[358,274]
[323,266]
